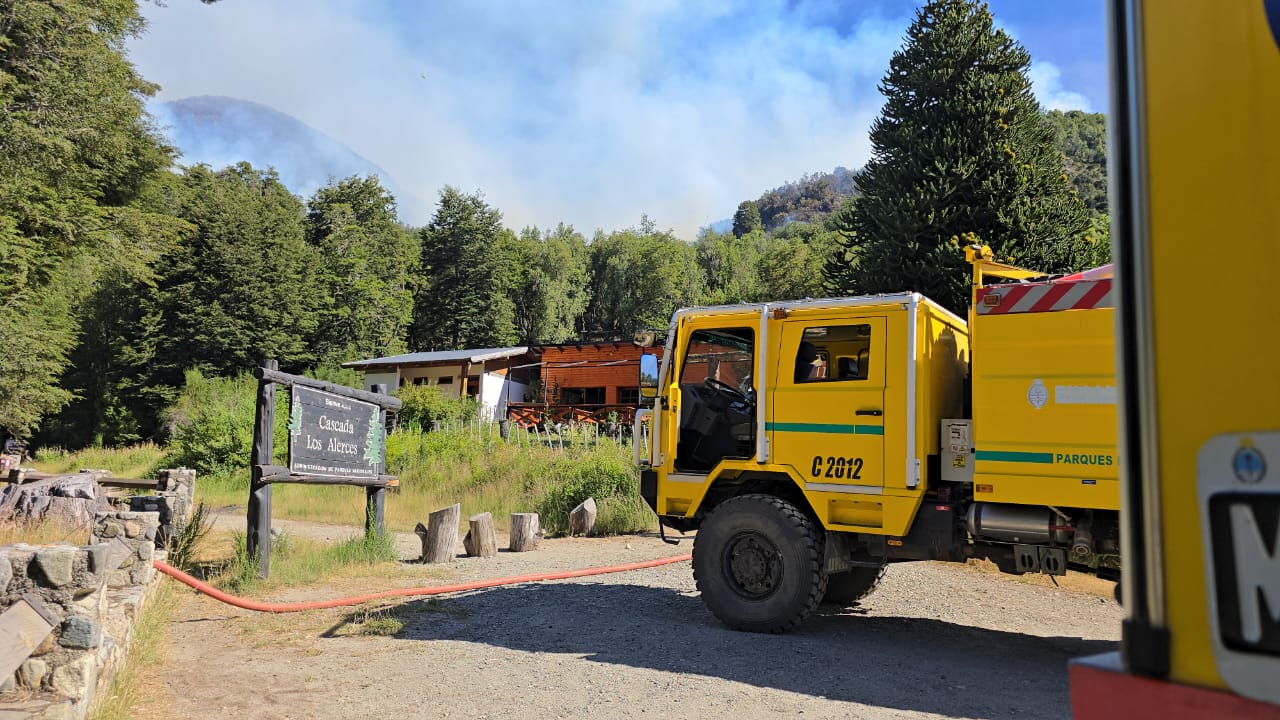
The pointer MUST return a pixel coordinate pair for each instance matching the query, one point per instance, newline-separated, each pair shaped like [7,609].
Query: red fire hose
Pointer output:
[217,594]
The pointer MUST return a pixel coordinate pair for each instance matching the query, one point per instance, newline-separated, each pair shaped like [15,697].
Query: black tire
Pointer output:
[846,588]
[757,560]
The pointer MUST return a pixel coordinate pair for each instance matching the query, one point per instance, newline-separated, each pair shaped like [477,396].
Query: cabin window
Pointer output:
[582,396]
[833,353]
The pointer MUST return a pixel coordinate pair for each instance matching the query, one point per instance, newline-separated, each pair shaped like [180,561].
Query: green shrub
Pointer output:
[188,539]
[621,515]
[211,424]
[602,474]
[425,405]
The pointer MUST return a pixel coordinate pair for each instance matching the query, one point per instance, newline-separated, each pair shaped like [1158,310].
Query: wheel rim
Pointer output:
[753,565]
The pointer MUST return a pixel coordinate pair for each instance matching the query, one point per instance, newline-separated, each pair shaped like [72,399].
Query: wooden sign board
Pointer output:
[334,436]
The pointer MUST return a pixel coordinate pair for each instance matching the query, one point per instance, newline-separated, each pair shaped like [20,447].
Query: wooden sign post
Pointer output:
[337,436]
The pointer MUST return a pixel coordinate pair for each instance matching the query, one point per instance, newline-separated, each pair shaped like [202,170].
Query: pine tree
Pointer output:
[244,286]
[366,268]
[747,218]
[961,153]
[76,150]
[464,299]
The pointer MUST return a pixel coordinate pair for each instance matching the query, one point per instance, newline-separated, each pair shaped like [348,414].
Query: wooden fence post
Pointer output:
[376,496]
[258,532]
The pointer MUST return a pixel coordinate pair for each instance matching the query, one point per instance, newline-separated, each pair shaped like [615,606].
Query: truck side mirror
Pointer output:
[648,377]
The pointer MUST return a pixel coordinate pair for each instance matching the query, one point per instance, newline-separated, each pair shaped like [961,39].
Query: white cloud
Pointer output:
[1046,82]
[587,113]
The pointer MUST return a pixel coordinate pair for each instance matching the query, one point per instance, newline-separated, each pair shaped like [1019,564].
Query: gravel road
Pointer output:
[934,640]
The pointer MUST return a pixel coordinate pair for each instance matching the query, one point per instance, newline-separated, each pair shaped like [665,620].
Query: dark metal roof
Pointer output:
[439,357]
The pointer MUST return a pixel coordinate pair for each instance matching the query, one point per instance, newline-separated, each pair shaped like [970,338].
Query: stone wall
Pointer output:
[90,594]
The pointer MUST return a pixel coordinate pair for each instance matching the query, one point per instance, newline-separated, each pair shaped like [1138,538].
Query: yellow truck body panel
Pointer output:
[1044,397]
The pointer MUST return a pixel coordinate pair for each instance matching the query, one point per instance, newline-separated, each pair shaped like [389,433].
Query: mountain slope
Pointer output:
[220,131]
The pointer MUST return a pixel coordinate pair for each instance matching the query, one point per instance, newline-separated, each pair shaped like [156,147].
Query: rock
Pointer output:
[146,550]
[81,633]
[83,485]
[9,684]
[6,572]
[76,679]
[57,564]
[132,529]
[68,499]
[99,558]
[54,711]
[109,530]
[46,646]
[32,672]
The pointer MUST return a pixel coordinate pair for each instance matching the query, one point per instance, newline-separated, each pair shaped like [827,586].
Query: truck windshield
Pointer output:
[723,355]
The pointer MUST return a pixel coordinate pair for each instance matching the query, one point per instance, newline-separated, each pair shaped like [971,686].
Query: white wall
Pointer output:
[496,391]
[390,379]
[433,375]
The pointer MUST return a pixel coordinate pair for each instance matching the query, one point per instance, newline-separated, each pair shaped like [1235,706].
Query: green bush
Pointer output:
[620,515]
[601,474]
[211,424]
[426,404]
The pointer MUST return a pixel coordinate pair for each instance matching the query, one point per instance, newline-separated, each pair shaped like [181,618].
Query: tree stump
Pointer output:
[524,531]
[481,540]
[582,519]
[441,539]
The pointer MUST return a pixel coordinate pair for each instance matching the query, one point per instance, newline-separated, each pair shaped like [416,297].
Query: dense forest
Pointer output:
[123,270]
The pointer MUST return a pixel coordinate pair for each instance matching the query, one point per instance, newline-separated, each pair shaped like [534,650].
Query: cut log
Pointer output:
[441,540]
[524,531]
[481,540]
[582,519]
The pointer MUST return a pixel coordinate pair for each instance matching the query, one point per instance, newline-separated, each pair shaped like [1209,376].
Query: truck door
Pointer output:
[828,408]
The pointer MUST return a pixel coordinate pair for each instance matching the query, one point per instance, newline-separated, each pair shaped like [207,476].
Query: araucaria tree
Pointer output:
[961,153]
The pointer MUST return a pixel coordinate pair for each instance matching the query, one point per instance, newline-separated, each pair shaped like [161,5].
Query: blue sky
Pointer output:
[589,113]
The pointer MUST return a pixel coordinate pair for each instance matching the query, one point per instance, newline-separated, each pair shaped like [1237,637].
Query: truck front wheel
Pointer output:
[757,561]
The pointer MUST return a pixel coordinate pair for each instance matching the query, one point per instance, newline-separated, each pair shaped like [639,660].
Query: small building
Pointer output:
[586,382]
[591,373]
[493,376]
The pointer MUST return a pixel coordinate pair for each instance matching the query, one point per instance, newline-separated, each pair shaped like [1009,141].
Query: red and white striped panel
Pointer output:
[1044,297]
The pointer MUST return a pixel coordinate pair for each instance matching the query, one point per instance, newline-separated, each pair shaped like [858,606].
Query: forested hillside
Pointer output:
[124,269]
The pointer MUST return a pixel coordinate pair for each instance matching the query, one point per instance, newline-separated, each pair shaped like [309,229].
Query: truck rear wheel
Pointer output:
[757,561]
[847,588]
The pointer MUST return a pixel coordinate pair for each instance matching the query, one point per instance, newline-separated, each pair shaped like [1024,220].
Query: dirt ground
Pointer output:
[934,640]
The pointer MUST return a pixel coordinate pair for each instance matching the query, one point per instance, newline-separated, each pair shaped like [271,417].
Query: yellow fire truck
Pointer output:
[811,443]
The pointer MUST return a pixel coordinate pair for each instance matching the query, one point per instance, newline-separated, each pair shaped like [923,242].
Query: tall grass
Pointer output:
[474,466]
[469,464]
[135,461]
[145,652]
[42,533]
[296,561]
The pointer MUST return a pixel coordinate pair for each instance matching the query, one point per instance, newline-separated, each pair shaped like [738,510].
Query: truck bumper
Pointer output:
[1100,688]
